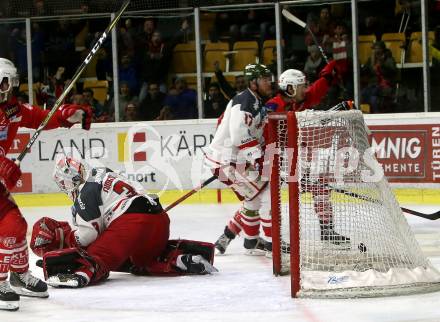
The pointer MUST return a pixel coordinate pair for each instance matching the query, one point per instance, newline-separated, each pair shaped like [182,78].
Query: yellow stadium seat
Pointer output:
[246,52]
[395,42]
[207,20]
[268,54]
[24,88]
[366,108]
[365,47]
[215,52]
[184,58]
[415,53]
[100,89]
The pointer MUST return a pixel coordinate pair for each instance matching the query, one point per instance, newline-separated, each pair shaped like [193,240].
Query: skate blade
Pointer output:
[331,246]
[25,292]
[219,252]
[9,305]
[255,252]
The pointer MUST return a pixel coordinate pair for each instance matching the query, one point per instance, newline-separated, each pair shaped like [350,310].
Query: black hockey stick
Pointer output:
[433,216]
[190,193]
[289,16]
[75,77]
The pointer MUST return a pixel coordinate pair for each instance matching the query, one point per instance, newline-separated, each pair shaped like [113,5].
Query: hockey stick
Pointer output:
[75,77]
[289,16]
[189,194]
[433,216]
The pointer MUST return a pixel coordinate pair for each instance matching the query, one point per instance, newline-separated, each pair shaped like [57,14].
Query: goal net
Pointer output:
[337,227]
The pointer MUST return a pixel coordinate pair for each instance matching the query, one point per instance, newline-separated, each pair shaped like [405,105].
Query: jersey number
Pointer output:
[122,187]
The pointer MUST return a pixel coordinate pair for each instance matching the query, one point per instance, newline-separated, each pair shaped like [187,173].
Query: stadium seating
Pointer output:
[184,58]
[207,20]
[100,89]
[395,42]
[415,53]
[246,52]
[267,54]
[365,47]
[215,52]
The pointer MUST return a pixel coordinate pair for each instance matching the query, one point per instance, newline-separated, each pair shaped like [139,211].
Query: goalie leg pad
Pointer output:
[166,265]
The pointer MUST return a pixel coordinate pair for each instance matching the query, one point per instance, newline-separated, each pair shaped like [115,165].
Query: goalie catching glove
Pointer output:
[48,235]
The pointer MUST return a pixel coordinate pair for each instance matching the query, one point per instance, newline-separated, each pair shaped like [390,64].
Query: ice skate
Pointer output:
[256,247]
[9,300]
[28,285]
[223,241]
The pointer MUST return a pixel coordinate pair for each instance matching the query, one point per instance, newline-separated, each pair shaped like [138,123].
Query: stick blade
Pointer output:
[292,18]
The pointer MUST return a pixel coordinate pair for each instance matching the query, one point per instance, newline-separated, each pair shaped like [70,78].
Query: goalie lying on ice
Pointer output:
[116,228]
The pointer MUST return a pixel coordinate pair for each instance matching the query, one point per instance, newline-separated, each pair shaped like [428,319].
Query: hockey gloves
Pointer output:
[71,114]
[9,172]
[48,235]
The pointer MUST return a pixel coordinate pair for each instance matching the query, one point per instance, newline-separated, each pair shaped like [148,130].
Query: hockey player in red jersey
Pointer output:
[294,95]
[13,244]
[236,152]
[116,227]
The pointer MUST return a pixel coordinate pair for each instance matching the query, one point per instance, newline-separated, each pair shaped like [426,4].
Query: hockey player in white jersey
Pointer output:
[236,152]
[115,228]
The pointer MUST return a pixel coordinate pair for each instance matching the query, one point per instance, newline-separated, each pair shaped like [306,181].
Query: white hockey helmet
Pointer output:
[8,74]
[68,175]
[292,77]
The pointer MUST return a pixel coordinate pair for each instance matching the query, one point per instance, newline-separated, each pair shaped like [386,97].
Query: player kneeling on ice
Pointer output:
[116,229]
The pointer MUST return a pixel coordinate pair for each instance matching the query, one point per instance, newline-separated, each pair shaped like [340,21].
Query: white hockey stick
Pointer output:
[289,16]
[75,77]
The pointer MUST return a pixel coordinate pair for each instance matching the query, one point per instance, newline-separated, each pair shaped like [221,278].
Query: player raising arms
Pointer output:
[13,244]
[116,228]
[236,152]
[294,95]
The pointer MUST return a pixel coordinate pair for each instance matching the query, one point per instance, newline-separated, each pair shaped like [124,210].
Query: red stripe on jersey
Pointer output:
[248,144]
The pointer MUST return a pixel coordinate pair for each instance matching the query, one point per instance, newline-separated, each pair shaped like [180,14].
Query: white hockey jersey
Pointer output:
[102,198]
[239,136]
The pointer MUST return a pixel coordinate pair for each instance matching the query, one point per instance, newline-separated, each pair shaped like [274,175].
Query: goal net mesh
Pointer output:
[354,239]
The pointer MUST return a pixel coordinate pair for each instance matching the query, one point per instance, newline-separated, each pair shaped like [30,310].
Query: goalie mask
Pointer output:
[68,175]
[291,77]
[8,78]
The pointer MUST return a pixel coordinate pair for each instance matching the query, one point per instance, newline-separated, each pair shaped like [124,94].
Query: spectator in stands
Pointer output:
[97,108]
[254,23]
[151,105]
[41,8]
[314,63]
[19,51]
[128,73]
[215,104]
[154,63]
[124,98]
[131,112]
[181,101]
[323,29]
[77,98]
[227,89]
[145,35]
[379,73]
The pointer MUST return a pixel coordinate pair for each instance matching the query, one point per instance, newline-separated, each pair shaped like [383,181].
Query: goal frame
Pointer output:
[293,192]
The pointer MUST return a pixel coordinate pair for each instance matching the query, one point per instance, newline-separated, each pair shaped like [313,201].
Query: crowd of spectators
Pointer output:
[147,89]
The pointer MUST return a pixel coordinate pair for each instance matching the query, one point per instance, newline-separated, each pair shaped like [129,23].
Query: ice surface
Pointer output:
[243,290]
